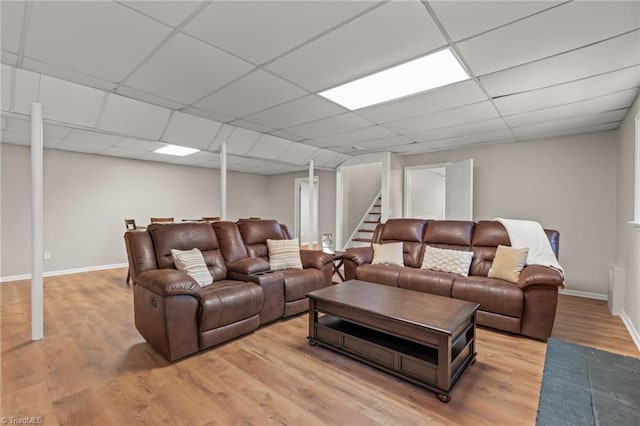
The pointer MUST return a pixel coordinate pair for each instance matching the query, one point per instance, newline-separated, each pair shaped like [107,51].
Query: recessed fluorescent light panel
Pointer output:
[435,70]
[177,150]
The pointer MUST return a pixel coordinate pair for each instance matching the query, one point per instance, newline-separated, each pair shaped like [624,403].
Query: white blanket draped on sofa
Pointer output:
[530,234]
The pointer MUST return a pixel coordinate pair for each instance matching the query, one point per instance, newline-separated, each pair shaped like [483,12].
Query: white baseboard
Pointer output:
[631,329]
[586,294]
[64,272]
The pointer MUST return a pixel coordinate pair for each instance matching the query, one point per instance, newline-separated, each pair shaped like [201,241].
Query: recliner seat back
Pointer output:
[407,231]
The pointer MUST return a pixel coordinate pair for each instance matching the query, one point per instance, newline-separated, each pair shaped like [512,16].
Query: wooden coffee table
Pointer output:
[426,339]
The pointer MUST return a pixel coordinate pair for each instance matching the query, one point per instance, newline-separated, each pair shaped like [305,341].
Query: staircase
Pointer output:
[363,234]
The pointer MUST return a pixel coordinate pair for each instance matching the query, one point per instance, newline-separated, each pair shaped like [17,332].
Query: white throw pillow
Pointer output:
[387,254]
[284,254]
[445,260]
[192,262]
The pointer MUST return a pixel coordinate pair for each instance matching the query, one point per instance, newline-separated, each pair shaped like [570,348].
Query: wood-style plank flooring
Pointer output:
[93,367]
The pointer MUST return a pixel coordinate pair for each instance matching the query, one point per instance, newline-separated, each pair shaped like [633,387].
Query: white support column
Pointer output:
[311,197]
[223,181]
[37,224]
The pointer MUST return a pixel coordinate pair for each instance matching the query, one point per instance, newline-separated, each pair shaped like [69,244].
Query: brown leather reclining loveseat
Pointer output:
[179,317]
[527,308]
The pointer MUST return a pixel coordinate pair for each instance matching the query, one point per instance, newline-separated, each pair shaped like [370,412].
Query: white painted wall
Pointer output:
[426,194]
[396,185]
[628,237]
[566,183]
[361,185]
[87,198]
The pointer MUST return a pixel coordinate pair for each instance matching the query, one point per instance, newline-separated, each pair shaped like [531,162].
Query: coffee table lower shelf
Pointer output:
[409,360]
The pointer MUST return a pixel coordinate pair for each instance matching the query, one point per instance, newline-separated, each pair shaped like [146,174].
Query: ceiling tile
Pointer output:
[353,137]
[51,142]
[260,30]
[330,126]
[135,118]
[11,25]
[102,39]
[85,147]
[169,12]
[298,153]
[337,160]
[385,143]
[19,126]
[569,92]
[190,130]
[207,114]
[222,135]
[138,145]
[241,140]
[570,131]
[251,126]
[610,55]
[148,98]
[5,89]
[68,75]
[206,156]
[611,102]
[413,148]
[86,136]
[453,95]
[451,117]
[8,58]
[55,131]
[115,151]
[7,136]
[497,136]
[300,111]
[252,93]
[69,102]
[462,19]
[572,123]
[323,156]
[270,147]
[566,27]
[286,135]
[459,130]
[26,91]
[3,122]
[361,47]
[185,69]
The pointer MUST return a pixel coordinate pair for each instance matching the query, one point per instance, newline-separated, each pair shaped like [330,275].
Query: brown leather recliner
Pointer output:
[526,308]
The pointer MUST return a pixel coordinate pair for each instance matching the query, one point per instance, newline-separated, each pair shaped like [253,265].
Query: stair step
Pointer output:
[377,205]
[371,221]
[366,230]
[362,240]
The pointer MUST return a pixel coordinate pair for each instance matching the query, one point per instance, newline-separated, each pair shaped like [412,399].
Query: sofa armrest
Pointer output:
[314,259]
[359,255]
[250,265]
[540,275]
[168,282]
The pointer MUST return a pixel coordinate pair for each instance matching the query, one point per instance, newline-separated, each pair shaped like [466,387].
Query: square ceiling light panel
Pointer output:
[177,150]
[428,72]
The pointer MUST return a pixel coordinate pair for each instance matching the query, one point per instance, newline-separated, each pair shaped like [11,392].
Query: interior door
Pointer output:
[459,191]
[308,223]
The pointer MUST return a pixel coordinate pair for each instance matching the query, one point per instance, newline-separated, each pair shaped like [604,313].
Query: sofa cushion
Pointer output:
[284,254]
[192,262]
[452,234]
[226,301]
[446,260]
[508,263]
[380,274]
[407,231]
[427,281]
[255,234]
[387,254]
[299,282]
[487,236]
[493,295]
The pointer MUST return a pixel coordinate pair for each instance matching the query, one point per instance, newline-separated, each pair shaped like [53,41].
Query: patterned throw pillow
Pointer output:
[192,262]
[387,254]
[445,260]
[284,254]
[508,263]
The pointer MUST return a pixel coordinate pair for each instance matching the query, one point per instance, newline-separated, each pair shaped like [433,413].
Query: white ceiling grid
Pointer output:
[123,78]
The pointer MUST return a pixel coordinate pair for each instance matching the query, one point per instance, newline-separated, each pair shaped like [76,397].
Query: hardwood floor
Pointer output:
[93,367]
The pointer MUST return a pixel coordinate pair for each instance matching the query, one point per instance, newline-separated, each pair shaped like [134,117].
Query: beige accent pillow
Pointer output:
[192,262]
[446,260]
[388,254]
[508,263]
[284,254]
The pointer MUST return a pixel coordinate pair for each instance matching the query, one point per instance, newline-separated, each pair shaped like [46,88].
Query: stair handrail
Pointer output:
[361,223]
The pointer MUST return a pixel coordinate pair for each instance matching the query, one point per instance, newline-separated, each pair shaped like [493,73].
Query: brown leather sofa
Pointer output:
[178,317]
[527,308]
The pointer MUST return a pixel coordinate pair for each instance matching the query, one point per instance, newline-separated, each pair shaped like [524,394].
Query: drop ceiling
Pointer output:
[123,78]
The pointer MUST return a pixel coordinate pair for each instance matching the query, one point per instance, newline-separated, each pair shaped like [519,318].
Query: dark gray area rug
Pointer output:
[586,386]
